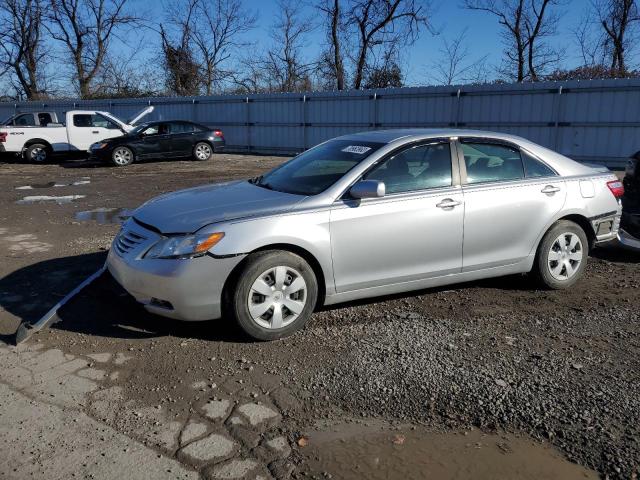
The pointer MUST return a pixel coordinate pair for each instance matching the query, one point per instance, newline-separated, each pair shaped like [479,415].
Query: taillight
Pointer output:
[217,133]
[3,137]
[616,187]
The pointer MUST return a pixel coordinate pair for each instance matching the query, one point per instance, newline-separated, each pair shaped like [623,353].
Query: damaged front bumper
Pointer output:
[183,289]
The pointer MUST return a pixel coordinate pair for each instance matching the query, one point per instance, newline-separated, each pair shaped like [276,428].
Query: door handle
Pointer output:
[550,190]
[448,203]
[95,131]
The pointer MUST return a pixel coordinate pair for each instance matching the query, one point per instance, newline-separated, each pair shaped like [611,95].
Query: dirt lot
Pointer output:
[499,379]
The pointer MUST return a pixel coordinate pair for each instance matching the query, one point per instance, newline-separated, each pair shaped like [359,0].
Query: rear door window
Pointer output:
[535,168]
[44,119]
[490,162]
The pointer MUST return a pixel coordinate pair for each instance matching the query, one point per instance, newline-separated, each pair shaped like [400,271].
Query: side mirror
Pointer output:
[368,189]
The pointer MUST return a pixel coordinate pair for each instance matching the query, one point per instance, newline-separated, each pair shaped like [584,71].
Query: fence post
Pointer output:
[374,97]
[304,122]
[458,101]
[248,124]
[556,130]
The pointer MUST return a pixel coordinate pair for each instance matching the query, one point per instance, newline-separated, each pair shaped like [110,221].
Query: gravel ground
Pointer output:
[501,355]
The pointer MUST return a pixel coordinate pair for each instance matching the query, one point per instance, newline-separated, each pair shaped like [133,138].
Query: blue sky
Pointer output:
[483,35]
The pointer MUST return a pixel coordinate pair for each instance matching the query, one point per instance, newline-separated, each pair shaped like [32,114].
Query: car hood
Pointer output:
[186,211]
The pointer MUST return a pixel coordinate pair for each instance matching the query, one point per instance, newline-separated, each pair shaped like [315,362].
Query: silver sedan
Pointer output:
[365,215]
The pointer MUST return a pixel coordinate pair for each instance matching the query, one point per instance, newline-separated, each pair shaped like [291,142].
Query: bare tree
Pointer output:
[22,52]
[618,18]
[453,64]
[333,57]
[379,22]
[287,69]
[525,23]
[86,28]
[219,34]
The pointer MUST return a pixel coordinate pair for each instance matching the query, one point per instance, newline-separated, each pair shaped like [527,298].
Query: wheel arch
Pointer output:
[33,141]
[584,223]
[287,247]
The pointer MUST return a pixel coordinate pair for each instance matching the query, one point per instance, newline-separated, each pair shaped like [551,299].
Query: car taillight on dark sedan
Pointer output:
[218,134]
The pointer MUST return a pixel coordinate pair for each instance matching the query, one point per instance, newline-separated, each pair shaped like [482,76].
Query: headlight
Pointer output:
[184,246]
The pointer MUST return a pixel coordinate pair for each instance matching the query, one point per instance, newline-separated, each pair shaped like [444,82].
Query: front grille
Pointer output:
[127,241]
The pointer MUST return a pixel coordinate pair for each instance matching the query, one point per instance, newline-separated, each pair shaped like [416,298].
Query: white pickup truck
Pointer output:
[81,129]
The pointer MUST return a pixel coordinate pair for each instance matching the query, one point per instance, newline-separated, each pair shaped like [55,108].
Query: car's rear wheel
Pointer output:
[202,151]
[562,255]
[122,156]
[37,153]
[274,295]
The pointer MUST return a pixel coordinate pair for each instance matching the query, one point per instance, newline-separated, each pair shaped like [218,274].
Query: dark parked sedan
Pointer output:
[164,139]
[630,223]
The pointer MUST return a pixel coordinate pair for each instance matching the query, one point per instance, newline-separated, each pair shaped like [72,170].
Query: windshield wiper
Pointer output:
[257,181]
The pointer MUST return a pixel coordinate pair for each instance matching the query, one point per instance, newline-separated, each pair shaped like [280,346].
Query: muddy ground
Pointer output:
[529,379]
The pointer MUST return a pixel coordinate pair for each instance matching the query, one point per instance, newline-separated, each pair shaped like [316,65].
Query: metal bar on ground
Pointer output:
[27,329]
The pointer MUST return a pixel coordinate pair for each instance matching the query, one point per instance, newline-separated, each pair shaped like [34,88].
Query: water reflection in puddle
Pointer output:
[105,216]
[355,452]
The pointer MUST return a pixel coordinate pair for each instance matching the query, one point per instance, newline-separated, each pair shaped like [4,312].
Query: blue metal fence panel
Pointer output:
[593,121]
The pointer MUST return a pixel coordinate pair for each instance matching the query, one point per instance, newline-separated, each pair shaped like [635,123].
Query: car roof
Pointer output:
[562,164]
[388,136]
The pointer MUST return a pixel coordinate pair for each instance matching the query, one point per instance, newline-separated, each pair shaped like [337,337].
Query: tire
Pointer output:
[257,313]
[37,153]
[122,156]
[565,266]
[202,151]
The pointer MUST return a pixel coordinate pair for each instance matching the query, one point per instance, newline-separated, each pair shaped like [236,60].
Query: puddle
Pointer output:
[48,198]
[82,181]
[105,216]
[354,452]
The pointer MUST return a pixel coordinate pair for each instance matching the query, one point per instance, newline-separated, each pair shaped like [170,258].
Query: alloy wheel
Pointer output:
[38,154]
[565,256]
[277,297]
[203,151]
[122,156]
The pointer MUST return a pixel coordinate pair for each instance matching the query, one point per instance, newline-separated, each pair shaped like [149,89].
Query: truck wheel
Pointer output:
[562,255]
[122,156]
[202,151]
[37,153]
[274,295]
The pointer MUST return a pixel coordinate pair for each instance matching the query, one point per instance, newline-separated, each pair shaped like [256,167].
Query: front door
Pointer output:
[87,129]
[510,198]
[154,141]
[412,233]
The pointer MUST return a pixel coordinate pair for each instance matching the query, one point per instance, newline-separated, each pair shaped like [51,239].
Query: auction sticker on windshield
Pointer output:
[359,149]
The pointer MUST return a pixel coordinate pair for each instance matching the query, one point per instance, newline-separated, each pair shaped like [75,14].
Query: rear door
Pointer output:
[89,128]
[181,136]
[510,198]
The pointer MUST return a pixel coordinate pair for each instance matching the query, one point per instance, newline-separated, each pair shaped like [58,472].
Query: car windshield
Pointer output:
[315,170]
[138,129]
[7,120]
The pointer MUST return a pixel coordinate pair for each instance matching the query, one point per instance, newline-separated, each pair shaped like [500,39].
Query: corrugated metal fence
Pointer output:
[594,121]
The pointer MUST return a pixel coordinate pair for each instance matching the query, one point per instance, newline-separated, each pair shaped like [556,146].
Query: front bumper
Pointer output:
[189,289]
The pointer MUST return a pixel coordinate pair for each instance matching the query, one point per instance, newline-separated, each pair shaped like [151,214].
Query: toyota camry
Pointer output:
[365,215]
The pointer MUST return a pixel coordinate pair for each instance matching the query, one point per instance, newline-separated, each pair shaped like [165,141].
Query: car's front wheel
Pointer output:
[202,151]
[274,295]
[562,255]
[122,156]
